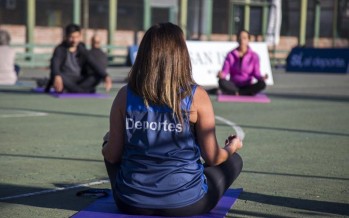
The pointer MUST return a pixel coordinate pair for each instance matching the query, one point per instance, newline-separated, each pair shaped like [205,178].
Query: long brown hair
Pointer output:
[162,74]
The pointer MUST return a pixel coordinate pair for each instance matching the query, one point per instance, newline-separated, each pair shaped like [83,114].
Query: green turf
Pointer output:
[295,151]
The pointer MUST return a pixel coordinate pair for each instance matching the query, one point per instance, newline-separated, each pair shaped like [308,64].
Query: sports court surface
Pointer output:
[296,148]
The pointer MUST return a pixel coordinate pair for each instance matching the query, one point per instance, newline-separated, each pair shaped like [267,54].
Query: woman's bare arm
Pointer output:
[211,152]
[112,151]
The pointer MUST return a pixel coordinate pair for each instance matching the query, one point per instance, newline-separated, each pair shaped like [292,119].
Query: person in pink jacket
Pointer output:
[242,65]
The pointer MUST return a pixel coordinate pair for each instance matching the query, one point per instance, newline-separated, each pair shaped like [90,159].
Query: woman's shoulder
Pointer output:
[122,93]
[7,50]
[121,96]
[200,97]
[233,54]
[60,49]
[252,52]
[200,90]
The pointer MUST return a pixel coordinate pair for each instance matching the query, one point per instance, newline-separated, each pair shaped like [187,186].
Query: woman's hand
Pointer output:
[232,144]
[58,83]
[105,138]
[108,83]
[265,77]
[220,75]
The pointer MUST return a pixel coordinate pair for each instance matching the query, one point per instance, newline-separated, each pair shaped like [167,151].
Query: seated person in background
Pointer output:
[97,54]
[8,73]
[69,65]
[161,122]
[242,64]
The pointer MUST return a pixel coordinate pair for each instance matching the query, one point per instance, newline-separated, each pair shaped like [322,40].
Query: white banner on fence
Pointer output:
[207,59]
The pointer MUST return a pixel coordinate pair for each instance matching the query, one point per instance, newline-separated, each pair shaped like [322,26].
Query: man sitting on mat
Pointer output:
[97,54]
[69,65]
[242,64]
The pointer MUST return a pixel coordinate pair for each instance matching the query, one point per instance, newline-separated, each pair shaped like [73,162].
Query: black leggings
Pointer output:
[83,84]
[74,84]
[230,88]
[219,179]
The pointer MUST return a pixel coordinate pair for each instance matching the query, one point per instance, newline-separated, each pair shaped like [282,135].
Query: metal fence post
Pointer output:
[31,4]
[77,12]
[317,22]
[112,23]
[303,22]
[265,19]
[184,16]
[146,14]
[335,22]
[247,11]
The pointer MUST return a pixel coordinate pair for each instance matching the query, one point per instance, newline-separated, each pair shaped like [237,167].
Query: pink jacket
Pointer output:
[242,74]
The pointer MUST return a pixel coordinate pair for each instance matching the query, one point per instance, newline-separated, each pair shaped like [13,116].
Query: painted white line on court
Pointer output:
[56,189]
[239,132]
[23,113]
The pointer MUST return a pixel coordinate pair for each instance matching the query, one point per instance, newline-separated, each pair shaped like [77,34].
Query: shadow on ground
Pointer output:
[44,200]
[296,203]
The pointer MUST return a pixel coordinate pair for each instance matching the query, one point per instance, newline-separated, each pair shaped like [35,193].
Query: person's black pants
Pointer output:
[219,179]
[81,84]
[230,88]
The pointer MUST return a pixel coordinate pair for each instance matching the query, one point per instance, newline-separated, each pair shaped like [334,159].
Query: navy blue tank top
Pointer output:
[160,165]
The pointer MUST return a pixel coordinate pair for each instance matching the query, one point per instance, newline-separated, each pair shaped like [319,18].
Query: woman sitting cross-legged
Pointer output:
[161,122]
[242,65]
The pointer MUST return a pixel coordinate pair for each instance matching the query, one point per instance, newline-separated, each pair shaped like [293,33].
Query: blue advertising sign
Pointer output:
[332,60]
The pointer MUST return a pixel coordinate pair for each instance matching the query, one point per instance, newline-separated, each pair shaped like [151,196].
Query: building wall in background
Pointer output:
[52,15]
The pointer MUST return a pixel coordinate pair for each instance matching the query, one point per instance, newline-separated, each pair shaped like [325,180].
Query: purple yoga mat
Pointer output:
[80,95]
[72,95]
[40,90]
[259,98]
[105,207]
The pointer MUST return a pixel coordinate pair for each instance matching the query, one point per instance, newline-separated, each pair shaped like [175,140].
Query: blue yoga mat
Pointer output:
[105,207]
